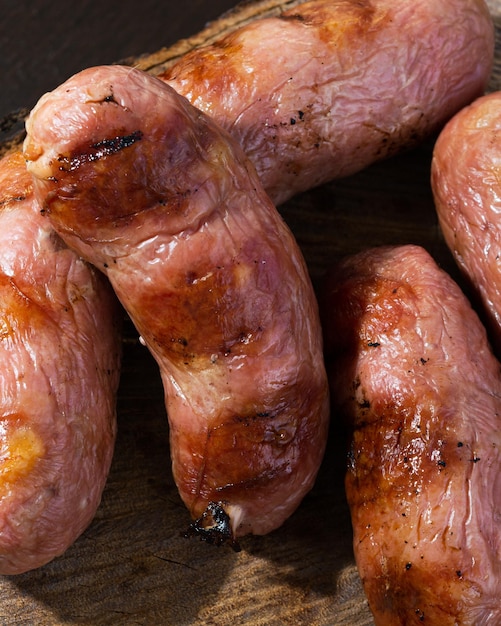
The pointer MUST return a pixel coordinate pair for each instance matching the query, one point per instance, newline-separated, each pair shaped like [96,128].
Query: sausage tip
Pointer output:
[214,526]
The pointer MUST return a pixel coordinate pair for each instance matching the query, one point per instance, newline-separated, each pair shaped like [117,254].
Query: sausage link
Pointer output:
[330,86]
[149,189]
[467,193]
[412,372]
[60,356]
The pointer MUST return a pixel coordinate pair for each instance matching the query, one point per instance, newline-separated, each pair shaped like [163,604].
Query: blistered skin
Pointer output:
[467,193]
[331,86]
[60,359]
[150,190]
[413,374]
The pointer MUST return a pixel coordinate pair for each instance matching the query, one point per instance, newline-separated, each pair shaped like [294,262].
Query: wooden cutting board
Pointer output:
[132,565]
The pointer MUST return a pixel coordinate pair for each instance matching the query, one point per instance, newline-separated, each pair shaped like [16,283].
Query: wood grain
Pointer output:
[132,565]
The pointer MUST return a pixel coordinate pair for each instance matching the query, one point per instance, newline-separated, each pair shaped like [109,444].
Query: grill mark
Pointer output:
[99,150]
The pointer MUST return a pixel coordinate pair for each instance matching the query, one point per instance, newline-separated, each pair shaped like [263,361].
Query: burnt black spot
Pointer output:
[191,278]
[214,527]
[181,340]
[250,418]
[7,201]
[99,150]
[115,144]
[110,98]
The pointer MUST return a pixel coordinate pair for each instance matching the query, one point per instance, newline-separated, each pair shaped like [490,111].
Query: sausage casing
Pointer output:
[413,373]
[467,193]
[150,190]
[60,356]
[329,86]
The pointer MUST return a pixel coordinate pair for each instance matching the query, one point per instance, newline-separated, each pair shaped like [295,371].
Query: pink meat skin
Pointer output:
[467,192]
[60,356]
[150,190]
[412,372]
[330,86]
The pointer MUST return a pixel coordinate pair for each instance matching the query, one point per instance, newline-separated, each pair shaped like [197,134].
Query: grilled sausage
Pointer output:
[150,190]
[412,371]
[329,86]
[60,356]
[467,192]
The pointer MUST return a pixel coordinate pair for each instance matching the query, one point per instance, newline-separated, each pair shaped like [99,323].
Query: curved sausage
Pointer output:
[60,356]
[467,193]
[330,86]
[412,371]
[150,190]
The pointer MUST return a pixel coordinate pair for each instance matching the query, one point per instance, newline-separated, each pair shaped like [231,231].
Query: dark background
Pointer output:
[44,42]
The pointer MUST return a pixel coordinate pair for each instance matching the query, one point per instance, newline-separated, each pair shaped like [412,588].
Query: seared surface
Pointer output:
[60,358]
[147,188]
[413,374]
